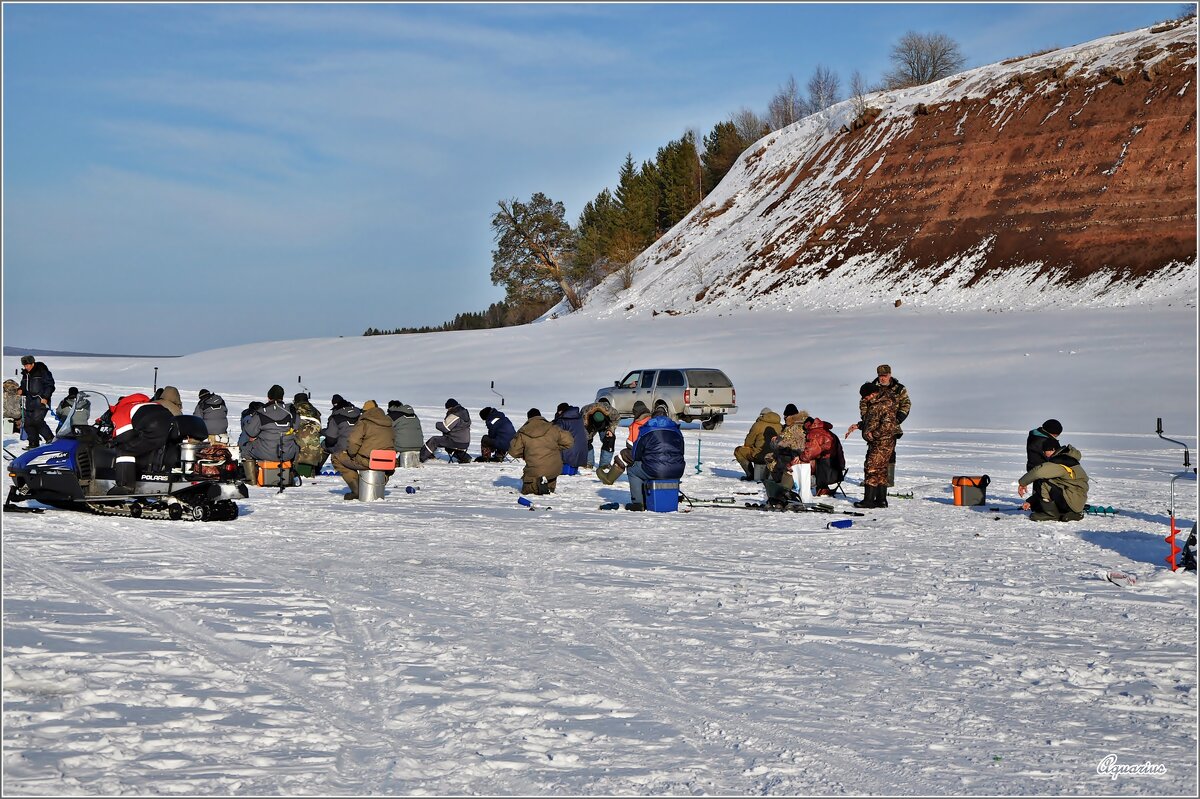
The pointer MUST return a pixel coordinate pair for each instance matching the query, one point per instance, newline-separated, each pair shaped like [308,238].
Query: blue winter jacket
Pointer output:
[501,430]
[571,421]
[659,448]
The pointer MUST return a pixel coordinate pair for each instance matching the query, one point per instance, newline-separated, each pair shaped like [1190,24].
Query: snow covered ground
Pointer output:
[451,642]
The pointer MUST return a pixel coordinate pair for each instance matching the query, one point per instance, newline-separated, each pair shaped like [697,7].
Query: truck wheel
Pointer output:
[713,422]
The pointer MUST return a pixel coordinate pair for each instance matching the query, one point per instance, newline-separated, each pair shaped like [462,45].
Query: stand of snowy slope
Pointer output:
[449,641]
[764,195]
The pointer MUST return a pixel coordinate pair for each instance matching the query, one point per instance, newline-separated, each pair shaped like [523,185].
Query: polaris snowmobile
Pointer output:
[75,472]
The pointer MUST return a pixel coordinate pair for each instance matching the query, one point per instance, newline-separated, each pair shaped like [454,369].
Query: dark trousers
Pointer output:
[34,421]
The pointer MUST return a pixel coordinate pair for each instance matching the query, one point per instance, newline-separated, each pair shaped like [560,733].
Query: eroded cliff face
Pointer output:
[1077,167]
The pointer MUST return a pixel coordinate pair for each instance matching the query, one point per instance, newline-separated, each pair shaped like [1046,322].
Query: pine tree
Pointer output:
[534,249]
[721,150]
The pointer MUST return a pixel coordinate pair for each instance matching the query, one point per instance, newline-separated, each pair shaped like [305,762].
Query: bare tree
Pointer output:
[750,126]
[920,58]
[786,106]
[858,92]
[1186,11]
[824,88]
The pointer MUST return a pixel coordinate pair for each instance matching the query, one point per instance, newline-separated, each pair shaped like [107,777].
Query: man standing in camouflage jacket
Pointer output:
[888,383]
[879,428]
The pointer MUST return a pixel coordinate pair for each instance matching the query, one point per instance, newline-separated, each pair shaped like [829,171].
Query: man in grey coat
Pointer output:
[406,427]
[211,408]
[455,434]
[271,431]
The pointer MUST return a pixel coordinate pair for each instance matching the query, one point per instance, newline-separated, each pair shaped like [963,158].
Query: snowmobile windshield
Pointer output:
[83,410]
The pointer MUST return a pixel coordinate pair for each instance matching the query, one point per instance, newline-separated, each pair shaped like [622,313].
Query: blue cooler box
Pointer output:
[570,469]
[662,496]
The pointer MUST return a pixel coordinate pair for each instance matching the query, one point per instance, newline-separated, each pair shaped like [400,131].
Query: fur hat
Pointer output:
[486,413]
[369,404]
[275,394]
[27,359]
[790,410]
[532,413]
[867,389]
[639,408]
[301,397]
[883,369]
[451,403]
[1053,427]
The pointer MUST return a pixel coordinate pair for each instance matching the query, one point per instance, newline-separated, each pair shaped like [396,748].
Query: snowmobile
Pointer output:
[75,472]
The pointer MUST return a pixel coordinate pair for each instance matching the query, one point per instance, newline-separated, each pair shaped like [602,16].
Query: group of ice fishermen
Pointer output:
[279,432]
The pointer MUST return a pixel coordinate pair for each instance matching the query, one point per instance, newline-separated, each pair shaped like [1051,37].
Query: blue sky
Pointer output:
[179,177]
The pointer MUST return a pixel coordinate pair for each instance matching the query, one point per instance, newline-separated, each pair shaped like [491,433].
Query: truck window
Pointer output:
[631,380]
[670,378]
[708,378]
[648,378]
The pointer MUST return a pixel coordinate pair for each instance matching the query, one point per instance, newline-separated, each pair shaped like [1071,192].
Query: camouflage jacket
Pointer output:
[898,392]
[879,417]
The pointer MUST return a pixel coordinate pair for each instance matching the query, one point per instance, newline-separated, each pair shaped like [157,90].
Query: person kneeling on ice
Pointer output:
[609,474]
[140,429]
[657,455]
[1060,485]
[498,438]
[372,431]
[541,444]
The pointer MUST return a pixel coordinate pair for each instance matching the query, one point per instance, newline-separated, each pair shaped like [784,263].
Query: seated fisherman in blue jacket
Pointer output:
[499,435]
[657,455]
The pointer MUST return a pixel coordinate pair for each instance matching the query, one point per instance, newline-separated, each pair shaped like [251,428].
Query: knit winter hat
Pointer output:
[532,413]
[337,401]
[790,410]
[276,393]
[1052,426]
[395,405]
[867,389]
[1050,445]
[562,407]
[639,408]
[72,391]
[204,392]
[486,413]
[883,369]
[257,406]
[765,411]
[598,416]
[369,404]
[451,403]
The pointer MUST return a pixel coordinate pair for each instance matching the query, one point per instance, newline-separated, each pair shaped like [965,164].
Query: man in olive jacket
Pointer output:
[1060,485]
[372,431]
[541,444]
[757,444]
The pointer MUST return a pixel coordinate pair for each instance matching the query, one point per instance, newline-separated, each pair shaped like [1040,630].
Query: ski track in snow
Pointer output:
[450,642]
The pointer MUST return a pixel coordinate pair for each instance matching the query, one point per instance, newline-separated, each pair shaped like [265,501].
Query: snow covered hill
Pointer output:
[448,641]
[1058,179]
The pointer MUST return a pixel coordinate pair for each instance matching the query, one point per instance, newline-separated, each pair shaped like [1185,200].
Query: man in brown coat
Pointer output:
[541,444]
[754,450]
[879,426]
[372,431]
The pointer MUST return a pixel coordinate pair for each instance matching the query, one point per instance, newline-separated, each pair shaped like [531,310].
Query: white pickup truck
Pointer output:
[687,394]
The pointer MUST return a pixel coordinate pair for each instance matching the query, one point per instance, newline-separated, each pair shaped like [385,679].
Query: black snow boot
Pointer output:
[126,476]
[881,496]
[868,500]
[461,455]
